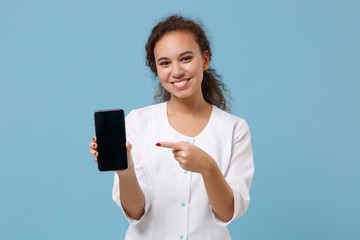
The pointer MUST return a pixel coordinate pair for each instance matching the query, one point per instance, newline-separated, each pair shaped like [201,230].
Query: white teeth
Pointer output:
[178,84]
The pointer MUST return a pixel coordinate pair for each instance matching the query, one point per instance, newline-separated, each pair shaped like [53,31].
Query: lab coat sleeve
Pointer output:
[133,137]
[240,171]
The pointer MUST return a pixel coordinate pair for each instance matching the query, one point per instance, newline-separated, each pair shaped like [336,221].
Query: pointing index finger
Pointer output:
[172,145]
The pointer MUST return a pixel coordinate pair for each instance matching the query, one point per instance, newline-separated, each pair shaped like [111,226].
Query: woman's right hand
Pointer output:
[93,147]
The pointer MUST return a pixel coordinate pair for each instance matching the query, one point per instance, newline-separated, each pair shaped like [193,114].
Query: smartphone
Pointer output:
[111,139]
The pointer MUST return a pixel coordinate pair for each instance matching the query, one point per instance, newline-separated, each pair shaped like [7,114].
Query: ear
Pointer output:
[206,59]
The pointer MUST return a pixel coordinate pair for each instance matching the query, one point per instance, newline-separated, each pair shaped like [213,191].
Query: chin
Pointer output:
[182,95]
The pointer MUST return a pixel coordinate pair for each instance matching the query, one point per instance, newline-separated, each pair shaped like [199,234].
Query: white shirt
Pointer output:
[176,202]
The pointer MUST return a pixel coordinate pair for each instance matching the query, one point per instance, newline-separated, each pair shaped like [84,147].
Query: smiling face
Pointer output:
[180,64]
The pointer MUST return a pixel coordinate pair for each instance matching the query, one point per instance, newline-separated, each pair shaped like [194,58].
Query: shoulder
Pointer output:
[227,118]
[151,109]
[230,122]
[144,114]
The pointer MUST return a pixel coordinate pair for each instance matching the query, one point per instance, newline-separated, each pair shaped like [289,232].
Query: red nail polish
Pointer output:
[158,144]
[95,154]
[93,138]
[94,145]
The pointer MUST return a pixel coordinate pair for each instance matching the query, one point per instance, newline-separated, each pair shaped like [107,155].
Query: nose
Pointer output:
[177,71]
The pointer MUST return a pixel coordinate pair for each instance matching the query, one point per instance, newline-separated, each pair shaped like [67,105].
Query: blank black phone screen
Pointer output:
[111,139]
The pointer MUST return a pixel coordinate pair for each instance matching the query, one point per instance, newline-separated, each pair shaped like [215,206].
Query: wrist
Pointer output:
[122,174]
[210,169]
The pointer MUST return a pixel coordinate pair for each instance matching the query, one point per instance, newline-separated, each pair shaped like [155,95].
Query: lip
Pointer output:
[181,80]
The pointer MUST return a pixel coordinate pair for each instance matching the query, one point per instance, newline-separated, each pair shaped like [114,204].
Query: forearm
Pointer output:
[220,195]
[131,195]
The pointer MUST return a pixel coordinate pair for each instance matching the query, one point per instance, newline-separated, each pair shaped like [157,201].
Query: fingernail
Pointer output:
[94,145]
[93,138]
[158,144]
[95,154]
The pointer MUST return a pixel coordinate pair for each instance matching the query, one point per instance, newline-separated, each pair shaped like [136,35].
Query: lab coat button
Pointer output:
[183,204]
[187,141]
[181,237]
[185,172]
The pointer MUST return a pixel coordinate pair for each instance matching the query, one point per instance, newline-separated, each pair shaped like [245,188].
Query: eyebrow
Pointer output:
[182,54]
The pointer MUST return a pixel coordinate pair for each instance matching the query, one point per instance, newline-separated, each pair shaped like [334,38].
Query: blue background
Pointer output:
[293,68]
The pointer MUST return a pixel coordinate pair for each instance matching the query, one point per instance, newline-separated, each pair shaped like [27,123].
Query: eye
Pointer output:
[165,63]
[186,59]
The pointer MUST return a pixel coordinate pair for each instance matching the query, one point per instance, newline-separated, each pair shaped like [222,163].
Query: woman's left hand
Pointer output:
[190,157]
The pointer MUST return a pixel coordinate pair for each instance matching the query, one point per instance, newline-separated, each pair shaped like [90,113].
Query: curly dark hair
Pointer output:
[212,85]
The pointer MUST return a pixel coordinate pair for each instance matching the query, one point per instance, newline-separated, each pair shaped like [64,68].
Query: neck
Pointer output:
[191,105]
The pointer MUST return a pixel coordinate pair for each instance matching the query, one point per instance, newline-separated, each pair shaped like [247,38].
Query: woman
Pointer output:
[190,162]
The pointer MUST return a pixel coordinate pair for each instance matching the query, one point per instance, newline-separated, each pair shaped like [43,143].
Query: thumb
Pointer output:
[128,146]
[129,156]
